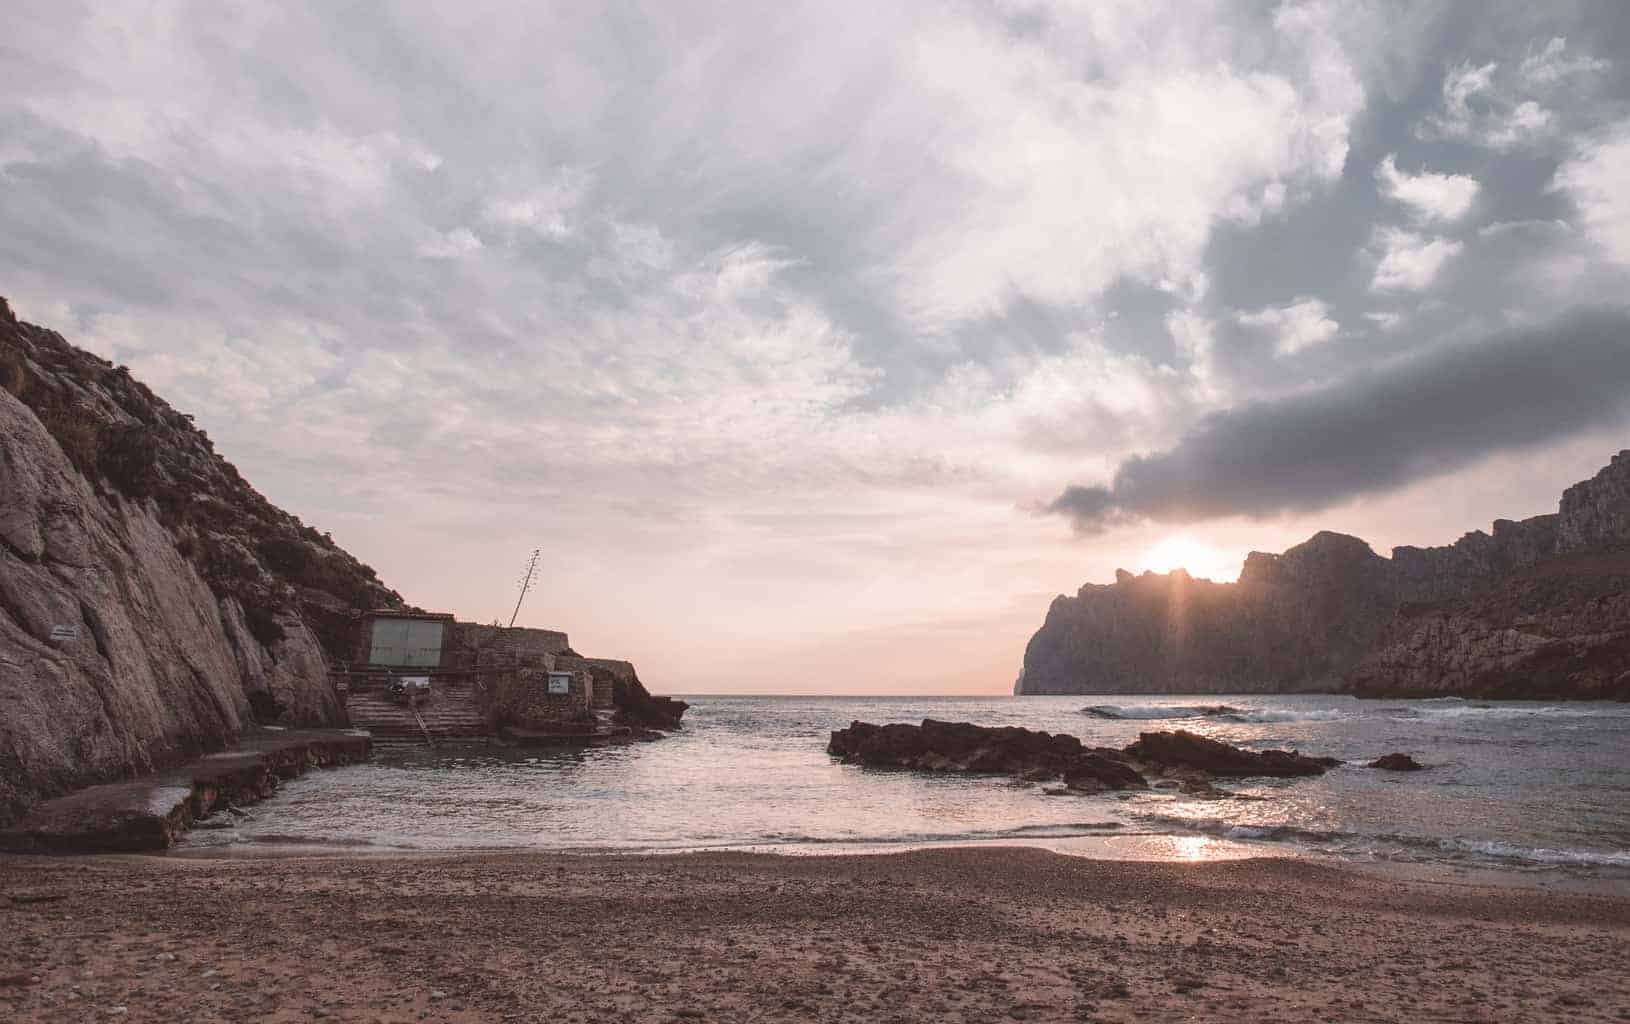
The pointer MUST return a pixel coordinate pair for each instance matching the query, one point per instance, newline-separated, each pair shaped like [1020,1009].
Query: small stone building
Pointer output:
[528,679]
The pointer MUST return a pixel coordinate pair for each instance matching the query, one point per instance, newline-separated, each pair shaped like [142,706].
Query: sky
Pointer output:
[817,346]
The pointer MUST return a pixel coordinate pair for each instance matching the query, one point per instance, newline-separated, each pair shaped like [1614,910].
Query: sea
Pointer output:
[1537,788]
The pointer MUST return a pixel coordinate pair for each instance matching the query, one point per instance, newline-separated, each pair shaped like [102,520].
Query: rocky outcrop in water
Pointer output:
[964,747]
[636,706]
[1397,763]
[1537,608]
[1188,750]
[152,603]
[1041,756]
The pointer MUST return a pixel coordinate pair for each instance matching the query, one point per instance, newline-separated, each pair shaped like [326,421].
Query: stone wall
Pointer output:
[473,644]
[521,698]
[612,669]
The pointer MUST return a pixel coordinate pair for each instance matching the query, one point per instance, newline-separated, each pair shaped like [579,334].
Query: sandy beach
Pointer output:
[932,935]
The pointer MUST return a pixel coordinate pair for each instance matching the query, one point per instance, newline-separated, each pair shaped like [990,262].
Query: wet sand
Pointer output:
[961,934]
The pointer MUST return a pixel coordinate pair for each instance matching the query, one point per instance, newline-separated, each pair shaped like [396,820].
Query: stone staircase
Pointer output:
[452,712]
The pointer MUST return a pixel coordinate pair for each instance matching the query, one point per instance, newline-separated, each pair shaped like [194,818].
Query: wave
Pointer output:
[1510,711]
[1435,709]
[1394,845]
[1219,712]
[791,841]
[1266,716]
[1537,854]
[1152,712]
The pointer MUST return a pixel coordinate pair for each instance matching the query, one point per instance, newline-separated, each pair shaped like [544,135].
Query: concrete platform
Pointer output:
[149,813]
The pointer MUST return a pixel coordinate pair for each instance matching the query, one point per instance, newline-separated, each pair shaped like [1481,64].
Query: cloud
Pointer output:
[548,209]
[1299,325]
[1407,420]
[1170,124]
[1595,179]
[1476,110]
[1497,105]
[1552,65]
[1196,341]
[1410,262]
[450,245]
[1429,196]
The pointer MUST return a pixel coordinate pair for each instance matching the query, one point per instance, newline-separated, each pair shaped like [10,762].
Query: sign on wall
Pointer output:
[560,683]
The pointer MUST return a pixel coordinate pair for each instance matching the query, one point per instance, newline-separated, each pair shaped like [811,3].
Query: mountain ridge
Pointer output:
[1331,615]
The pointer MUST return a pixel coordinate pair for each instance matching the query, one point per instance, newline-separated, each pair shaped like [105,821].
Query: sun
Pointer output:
[1180,551]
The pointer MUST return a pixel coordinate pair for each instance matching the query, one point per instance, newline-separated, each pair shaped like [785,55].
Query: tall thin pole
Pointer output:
[527,577]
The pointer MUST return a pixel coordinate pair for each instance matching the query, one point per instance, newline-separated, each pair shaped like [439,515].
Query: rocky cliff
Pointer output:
[152,603]
[1537,608]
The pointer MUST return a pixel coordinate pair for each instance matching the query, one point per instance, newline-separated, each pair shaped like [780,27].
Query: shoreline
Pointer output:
[1121,847]
[960,934]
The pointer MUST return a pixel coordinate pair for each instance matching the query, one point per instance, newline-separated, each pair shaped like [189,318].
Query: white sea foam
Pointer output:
[1153,712]
[1493,711]
[1536,854]
[1262,717]
[1219,712]
[1411,847]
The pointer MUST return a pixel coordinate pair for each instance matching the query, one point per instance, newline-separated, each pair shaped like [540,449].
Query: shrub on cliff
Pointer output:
[127,457]
[286,556]
[13,373]
[75,434]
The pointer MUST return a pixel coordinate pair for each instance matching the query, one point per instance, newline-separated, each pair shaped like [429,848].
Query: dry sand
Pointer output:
[935,935]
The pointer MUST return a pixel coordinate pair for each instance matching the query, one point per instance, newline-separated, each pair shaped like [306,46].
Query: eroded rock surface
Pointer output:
[1556,630]
[1182,749]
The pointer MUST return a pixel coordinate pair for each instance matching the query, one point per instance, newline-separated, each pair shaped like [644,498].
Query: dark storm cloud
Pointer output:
[1327,244]
[1408,420]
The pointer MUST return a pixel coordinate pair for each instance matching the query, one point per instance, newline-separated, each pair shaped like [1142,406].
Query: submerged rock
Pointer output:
[1186,750]
[1397,763]
[1093,773]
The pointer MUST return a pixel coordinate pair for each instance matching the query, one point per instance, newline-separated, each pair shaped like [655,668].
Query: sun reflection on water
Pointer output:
[1192,847]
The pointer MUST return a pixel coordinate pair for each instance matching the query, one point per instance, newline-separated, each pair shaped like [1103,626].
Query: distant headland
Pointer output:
[1534,609]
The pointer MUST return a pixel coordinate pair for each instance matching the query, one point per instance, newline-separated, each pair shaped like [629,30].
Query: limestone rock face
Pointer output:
[151,602]
[1595,514]
[1294,621]
[1537,608]
[1559,629]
